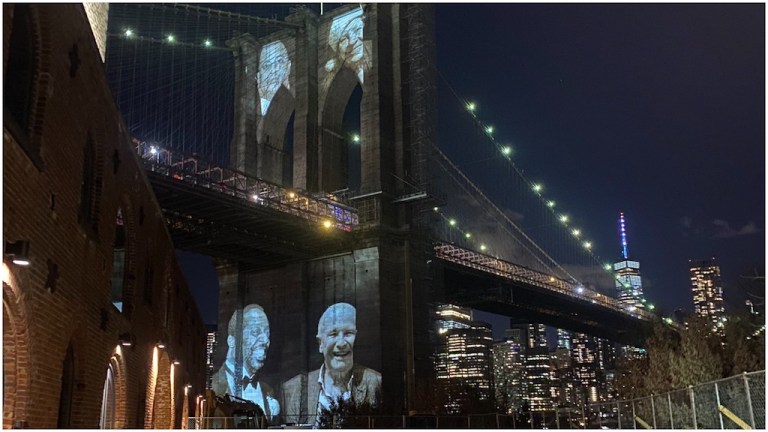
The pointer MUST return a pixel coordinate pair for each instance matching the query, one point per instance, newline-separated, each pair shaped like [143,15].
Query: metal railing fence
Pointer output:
[737,402]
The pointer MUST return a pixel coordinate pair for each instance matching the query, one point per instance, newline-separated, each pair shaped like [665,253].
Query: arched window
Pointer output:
[108,401]
[17,87]
[67,385]
[118,262]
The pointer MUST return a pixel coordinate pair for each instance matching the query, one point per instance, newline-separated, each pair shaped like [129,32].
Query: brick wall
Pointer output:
[64,297]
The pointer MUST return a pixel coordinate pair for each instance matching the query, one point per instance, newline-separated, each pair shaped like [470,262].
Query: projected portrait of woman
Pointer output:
[346,41]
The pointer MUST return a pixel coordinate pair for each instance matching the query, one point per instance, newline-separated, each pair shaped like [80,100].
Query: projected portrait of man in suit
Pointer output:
[255,343]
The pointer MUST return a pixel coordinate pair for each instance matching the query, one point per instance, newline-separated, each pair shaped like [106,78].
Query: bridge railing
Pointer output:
[200,172]
[737,402]
[519,273]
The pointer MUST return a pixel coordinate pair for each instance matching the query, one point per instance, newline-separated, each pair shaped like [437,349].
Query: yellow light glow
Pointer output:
[587,245]
[467,235]
[564,218]
[537,187]
[356,138]
[291,195]
[452,222]
[482,247]
[550,204]
[489,129]
[576,232]
[506,151]
[6,275]
[171,38]
[471,106]
[327,224]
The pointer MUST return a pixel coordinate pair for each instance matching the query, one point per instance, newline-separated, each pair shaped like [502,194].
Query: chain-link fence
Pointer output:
[737,402]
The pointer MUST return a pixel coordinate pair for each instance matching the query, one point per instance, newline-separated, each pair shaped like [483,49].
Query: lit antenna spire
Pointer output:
[624,251]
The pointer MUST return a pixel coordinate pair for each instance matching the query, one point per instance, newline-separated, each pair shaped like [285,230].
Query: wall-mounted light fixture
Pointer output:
[126,339]
[176,362]
[18,251]
[161,345]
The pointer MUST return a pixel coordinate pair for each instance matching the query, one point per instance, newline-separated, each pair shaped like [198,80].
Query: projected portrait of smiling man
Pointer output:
[255,342]
[338,377]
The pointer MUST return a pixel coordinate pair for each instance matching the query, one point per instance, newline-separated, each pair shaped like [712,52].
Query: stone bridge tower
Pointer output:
[308,73]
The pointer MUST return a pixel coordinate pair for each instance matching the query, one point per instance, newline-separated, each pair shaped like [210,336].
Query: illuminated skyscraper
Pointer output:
[628,282]
[707,290]
[606,369]
[585,358]
[563,339]
[210,348]
[509,374]
[450,316]
[539,374]
[464,359]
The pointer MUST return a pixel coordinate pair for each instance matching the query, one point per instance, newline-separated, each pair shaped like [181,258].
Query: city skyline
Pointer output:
[345,299]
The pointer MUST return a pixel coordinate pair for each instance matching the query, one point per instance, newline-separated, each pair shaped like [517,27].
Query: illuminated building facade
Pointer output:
[509,374]
[584,353]
[628,282]
[707,290]
[629,285]
[210,349]
[538,370]
[450,316]
[464,360]
[606,369]
[566,394]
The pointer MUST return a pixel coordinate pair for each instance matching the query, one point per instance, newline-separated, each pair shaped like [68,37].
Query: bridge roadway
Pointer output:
[226,214]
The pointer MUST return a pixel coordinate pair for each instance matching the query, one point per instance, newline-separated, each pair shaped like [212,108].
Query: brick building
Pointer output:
[100,328]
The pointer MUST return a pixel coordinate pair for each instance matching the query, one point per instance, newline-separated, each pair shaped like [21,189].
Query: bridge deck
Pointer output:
[224,213]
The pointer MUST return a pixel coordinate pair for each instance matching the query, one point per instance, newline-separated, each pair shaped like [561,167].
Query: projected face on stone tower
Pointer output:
[346,40]
[336,334]
[239,376]
[274,70]
[255,339]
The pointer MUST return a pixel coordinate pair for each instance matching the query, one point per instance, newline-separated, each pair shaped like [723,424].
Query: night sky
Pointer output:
[654,110]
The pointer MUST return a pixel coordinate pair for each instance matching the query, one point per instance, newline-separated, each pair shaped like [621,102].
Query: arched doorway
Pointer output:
[160,395]
[108,401]
[15,335]
[113,401]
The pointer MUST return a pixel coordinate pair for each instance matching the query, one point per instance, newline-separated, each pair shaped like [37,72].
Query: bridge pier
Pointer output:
[391,317]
